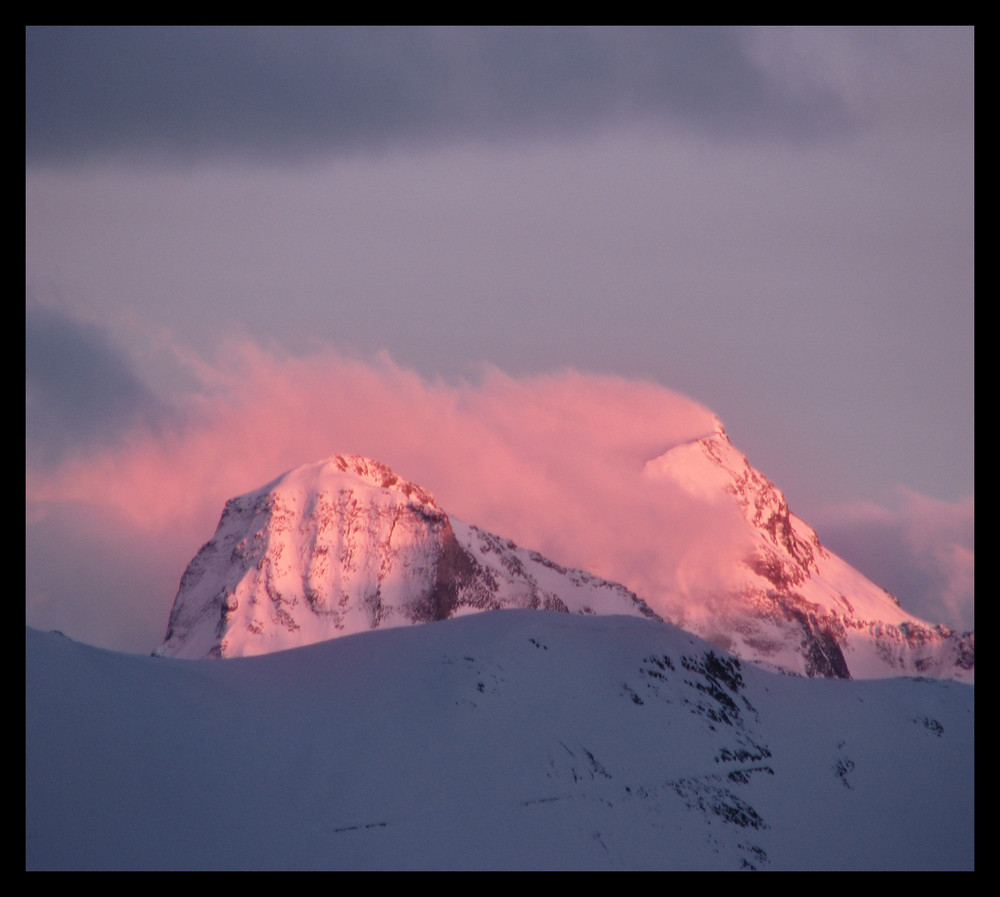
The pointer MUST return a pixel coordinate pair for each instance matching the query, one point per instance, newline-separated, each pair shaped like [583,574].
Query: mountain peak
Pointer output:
[330,472]
[344,545]
[797,605]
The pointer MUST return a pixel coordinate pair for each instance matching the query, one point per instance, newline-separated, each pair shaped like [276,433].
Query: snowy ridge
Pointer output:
[509,740]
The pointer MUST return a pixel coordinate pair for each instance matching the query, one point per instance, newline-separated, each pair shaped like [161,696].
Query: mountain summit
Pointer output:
[345,545]
[791,602]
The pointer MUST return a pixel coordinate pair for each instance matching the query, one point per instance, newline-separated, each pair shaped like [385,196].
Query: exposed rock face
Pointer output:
[798,605]
[344,546]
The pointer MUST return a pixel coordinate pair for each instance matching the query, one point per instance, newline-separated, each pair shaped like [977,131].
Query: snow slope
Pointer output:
[501,740]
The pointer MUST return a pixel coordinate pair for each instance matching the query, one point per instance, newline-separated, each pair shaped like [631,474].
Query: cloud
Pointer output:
[80,389]
[93,575]
[290,92]
[553,462]
[922,550]
[905,74]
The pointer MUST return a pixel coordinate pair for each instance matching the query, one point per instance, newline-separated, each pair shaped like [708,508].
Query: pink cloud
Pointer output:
[553,462]
[922,549]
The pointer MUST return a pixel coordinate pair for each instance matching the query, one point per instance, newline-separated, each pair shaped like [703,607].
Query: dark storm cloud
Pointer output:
[81,390]
[187,91]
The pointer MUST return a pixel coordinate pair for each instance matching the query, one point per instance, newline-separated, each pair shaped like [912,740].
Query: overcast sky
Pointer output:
[232,231]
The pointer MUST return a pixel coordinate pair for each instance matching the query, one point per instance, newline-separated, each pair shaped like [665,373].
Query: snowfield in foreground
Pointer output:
[501,740]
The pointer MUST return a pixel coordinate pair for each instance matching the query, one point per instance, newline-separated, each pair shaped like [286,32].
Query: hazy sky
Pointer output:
[247,248]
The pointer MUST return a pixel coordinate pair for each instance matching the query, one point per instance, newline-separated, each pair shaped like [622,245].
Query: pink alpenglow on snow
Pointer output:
[345,545]
[792,602]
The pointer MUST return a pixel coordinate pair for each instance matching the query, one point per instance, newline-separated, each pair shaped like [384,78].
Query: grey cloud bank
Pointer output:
[81,390]
[302,91]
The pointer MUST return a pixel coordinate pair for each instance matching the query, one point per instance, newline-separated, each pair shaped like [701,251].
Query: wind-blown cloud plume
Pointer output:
[553,462]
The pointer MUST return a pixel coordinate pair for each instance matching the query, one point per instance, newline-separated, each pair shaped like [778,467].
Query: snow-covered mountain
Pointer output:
[791,602]
[564,722]
[345,545]
[504,740]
